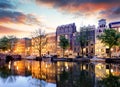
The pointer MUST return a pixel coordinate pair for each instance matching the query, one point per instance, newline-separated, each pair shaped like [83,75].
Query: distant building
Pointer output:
[76,44]
[115,25]
[51,44]
[68,31]
[100,48]
[22,46]
[89,33]
[48,48]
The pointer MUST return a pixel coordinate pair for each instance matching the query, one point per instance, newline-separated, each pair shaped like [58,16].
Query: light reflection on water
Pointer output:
[61,74]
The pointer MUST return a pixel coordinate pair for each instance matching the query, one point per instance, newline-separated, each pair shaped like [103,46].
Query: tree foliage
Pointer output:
[6,42]
[64,43]
[81,39]
[111,38]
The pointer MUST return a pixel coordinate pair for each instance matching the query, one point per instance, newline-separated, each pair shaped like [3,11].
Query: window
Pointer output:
[74,49]
[92,50]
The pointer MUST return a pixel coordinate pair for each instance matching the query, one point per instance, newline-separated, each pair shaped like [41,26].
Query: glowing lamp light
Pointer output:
[111,70]
[17,68]
[46,66]
[28,67]
[67,67]
[84,68]
[84,49]
[6,51]
[111,49]
[99,50]
[9,66]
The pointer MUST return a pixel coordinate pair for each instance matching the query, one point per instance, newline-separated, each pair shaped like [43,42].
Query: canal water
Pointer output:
[27,73]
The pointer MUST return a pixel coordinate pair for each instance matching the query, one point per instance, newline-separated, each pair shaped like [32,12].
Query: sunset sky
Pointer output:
[21,17]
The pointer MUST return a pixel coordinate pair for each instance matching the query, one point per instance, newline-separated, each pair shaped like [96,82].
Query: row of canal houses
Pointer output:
[26,46]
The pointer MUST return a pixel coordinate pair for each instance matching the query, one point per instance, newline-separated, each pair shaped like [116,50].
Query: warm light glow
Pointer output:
[84,68]
[119,29]
[67,67]
[14,63]
[99,50]
[9,66]
[111,49]
[6,51]
[46,66]
[28,67]
[17,68]
[107,46]
[111,70]
[84,49]
[107,71]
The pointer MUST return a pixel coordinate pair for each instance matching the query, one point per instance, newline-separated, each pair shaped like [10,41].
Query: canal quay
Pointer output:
[32,73]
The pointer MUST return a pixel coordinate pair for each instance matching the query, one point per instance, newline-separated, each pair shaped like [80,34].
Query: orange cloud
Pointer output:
[5,30]
[8,31]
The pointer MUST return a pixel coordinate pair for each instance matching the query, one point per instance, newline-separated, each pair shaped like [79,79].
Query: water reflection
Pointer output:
[76,76]
[60,74]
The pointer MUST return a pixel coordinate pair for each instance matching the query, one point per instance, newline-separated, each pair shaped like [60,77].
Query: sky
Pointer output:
[22,17]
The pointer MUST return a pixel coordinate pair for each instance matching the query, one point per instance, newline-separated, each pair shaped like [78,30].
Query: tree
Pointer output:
[4,43]
[39,41]
[7,42]
[110,38]
[12,42]
[64,44]
[81,39]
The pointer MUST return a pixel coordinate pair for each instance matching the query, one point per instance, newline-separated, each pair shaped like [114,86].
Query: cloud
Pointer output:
[9,31]
[84,7]
[111,13]
[16,22]
[5,4]
[7,16]
[8,13]
[5,30]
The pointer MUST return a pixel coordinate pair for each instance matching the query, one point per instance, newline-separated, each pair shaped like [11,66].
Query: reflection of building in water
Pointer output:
[21,68]
[44,70]
[103,69]
[64,74]
[115,69]
[100,70]
[39,70]
[74,75]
